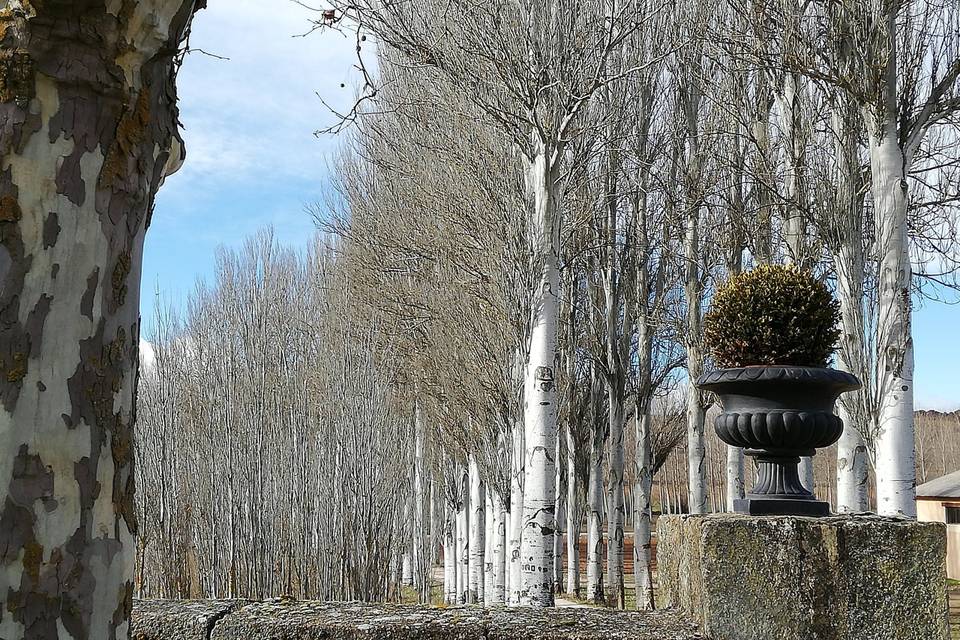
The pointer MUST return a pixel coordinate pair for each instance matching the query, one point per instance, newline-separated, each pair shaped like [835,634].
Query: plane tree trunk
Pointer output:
[88,105]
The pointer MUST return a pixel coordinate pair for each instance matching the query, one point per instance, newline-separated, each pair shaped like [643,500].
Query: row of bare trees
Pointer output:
[490,349]
[268,446]
[547,193]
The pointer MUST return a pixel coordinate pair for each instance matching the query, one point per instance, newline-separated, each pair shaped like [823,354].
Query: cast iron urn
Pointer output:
[778,414]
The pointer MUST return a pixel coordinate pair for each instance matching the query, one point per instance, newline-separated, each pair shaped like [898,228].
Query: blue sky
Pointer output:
[253,161]
[252,158]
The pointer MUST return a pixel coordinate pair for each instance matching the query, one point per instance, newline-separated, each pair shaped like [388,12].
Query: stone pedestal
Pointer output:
[794,578]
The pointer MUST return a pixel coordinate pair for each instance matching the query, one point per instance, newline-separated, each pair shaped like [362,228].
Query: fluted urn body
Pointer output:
[778,414]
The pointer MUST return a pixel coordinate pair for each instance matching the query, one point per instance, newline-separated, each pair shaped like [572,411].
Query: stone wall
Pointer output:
[293,620]
[794,578]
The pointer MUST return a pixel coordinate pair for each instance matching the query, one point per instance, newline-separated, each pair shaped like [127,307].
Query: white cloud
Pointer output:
[252,117]
[148,357]
[934,402]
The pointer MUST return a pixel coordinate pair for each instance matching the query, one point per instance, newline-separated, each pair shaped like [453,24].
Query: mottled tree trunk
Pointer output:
[805,470]
[89,130]
[852,464]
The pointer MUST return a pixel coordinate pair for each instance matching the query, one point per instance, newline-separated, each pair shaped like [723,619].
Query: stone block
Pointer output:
[285,619]
[795,578]
[178,619]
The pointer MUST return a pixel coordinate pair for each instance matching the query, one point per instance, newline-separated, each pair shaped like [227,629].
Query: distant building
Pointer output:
[939,501]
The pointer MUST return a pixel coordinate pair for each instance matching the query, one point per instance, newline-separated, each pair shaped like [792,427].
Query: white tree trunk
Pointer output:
[595,592]
[805,469]
[516,517]
[560,535]
[497,593]
[896,475]
[90,130]
[490,524]
[540,396]
[696,412]
[406,570]
[852,463]
[450,561]
[696,451]
[794,224]
[642,516]
[477,530]
[507,592]
[463,542]
[854,408]
[615,500]
[421,561]
[573,520]
[735,489]
[791,123]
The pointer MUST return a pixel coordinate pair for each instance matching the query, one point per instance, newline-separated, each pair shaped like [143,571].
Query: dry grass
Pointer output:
[954,591]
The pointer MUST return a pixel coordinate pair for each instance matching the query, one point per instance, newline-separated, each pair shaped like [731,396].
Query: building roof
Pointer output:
[947,486]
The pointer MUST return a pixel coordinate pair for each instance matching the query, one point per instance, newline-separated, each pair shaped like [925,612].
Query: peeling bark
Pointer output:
[88,117]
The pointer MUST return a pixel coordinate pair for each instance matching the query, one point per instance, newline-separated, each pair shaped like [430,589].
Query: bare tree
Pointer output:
[898,61]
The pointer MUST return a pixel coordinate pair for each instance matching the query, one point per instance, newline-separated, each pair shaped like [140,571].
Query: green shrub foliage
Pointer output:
[772,315]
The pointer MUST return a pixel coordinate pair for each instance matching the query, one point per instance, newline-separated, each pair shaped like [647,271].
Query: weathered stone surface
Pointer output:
[293,620]
[178,619]
[289,620]
[795,578]
[582,624]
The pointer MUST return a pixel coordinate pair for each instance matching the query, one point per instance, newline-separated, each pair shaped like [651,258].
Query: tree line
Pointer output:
[490,344]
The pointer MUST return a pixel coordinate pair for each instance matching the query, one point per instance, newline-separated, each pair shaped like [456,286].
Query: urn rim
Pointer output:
[719,380]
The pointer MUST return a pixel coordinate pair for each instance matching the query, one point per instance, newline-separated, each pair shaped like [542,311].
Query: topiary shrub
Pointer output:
[772,315]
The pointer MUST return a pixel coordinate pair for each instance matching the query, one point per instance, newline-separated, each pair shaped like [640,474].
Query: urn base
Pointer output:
[781,507]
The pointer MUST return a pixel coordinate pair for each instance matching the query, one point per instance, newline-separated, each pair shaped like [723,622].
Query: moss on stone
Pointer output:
[795,578]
